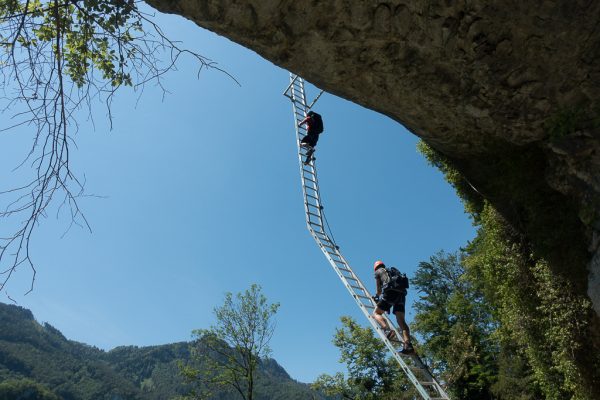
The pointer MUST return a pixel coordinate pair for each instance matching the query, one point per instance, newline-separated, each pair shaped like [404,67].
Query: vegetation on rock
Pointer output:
[540,313]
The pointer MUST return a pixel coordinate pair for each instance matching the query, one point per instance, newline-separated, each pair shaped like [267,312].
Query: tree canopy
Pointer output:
[372,373]
[232,349]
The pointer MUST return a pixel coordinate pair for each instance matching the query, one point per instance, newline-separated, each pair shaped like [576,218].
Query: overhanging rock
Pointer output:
[508,91]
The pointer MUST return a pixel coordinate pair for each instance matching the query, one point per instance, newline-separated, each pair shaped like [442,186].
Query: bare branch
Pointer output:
[57,58]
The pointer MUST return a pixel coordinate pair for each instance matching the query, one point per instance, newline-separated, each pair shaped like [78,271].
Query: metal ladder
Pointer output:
[416,371]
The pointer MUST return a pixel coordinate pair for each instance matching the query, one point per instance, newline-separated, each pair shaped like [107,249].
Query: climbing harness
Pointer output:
[412,365]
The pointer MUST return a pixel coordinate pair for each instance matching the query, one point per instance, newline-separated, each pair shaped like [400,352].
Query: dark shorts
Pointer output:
[393,299]
[310,139]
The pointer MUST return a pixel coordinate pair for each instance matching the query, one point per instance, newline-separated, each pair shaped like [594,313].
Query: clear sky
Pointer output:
[201,195]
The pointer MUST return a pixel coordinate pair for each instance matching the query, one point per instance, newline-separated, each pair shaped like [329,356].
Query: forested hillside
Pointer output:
[37,359]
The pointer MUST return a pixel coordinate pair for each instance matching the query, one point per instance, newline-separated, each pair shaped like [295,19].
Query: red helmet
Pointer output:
[378,264]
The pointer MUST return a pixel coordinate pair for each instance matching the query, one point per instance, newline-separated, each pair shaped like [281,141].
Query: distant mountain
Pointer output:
[38,363]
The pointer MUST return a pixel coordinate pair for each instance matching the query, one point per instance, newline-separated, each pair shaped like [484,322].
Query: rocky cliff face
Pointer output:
[507,90]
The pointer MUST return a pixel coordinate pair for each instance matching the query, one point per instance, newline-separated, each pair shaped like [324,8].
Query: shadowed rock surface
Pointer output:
[508,92]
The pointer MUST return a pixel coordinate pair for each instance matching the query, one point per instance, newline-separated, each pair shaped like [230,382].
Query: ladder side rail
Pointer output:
[405,367]
[360,286]
[407,371]
[298,102]
[300,109]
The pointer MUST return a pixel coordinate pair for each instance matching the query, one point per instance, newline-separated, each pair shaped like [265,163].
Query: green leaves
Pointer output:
[232,349]
[92,34]
[372,375]
[455,322]
[25,389]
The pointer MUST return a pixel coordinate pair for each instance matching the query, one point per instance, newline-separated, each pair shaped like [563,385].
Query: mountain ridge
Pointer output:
[37,356]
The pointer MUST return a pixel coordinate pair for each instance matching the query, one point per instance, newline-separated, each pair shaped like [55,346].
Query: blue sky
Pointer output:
[201,195]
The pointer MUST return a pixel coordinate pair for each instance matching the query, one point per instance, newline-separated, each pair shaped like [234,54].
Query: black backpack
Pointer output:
[317,125]
[398,281]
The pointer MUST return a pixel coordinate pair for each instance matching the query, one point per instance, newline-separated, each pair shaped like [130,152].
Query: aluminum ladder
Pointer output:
[416,371]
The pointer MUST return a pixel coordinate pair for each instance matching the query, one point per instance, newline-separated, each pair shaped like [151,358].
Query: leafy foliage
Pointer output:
[538,310]
[543,322]
[231,350]
[371,373]
[459,330]
[456,323]
[25,389]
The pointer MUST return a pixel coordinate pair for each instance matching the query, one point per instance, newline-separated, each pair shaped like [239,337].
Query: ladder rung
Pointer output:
[313,214]
[345,270]
[312,200]
[362,297]
[330,246]
[308,179]
[326,240]
[323,234]
[311,196]
[326,243]
[358,288]
[319,232]
[313,205]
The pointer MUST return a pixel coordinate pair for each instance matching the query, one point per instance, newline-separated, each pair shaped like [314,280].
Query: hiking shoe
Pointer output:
[408,348]
[391,335]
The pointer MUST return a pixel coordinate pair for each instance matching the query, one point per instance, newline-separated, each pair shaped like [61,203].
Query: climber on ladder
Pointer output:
[314,127]
[388,295]
[391,292]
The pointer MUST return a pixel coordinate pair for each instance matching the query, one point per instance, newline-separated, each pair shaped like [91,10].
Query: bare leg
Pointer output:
[378,315]
[403,325]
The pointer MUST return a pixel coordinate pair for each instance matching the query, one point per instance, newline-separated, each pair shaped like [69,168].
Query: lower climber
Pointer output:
[391,292]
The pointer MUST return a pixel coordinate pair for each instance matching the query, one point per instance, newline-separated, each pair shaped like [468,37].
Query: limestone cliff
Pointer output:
[507,90]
